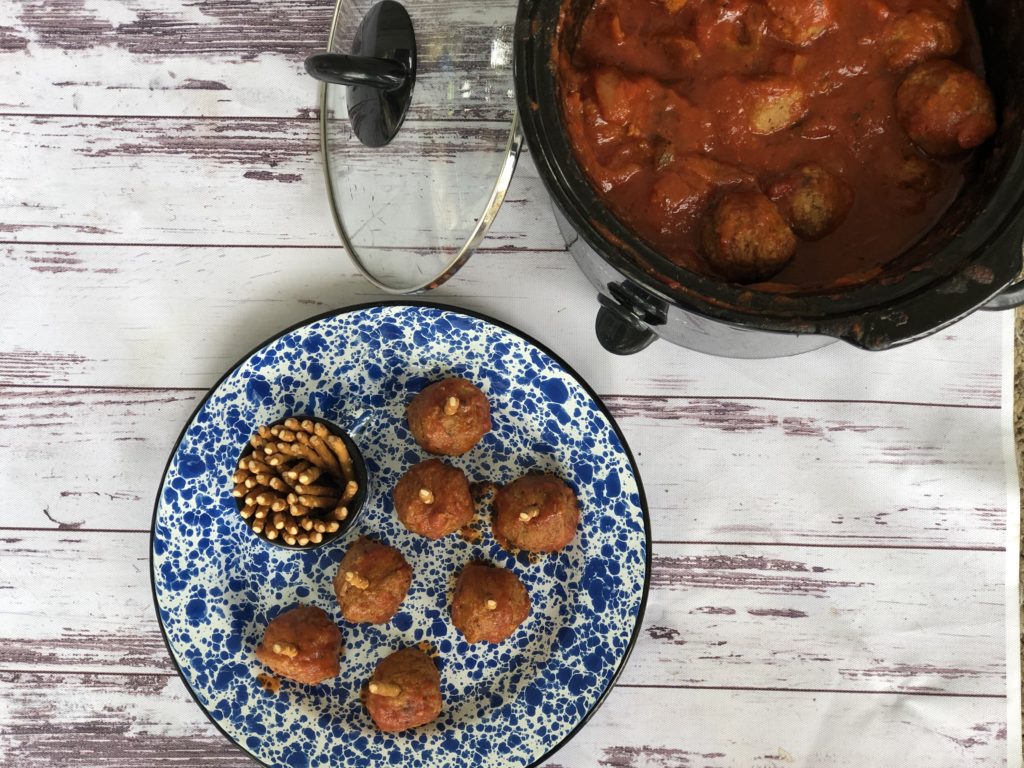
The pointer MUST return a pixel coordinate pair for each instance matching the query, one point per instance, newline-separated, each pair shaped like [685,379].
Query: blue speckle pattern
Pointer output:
[217,585]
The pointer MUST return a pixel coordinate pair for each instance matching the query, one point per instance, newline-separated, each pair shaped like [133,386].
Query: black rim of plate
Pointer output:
[487,319]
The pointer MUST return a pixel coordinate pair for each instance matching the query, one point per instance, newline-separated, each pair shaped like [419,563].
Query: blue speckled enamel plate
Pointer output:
[217,586]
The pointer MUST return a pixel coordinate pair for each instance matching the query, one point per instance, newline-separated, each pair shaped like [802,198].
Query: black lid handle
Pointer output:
[342,69]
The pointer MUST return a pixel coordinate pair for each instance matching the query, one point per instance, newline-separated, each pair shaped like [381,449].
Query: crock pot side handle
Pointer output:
[1011,298]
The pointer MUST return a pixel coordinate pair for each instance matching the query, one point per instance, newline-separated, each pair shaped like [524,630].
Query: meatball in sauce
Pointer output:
[685,115]
[302,644]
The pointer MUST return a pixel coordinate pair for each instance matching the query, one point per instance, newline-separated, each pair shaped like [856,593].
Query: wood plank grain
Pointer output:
[86,487]
[229,58]
[132,721]
[219,181]
[719,616]
[55,328]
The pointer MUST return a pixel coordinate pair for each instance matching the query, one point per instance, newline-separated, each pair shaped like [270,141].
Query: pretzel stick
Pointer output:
[327,458]
[316,490]
[337,445]
[309,475]
[351,489]
[318,502]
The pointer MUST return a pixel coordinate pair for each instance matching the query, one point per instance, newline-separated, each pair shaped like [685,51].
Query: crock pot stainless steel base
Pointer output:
[630,317]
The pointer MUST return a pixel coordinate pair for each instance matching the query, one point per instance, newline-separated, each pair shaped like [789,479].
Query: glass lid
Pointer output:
[419,132]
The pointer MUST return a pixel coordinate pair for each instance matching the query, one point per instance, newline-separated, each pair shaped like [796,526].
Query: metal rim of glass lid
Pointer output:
[416,186]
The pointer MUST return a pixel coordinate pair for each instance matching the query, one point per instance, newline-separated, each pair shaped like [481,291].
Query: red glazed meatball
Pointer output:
[813,200]
[538,513]
[433,499]
[372,582]
[746,239]
[404,692]
[800,21]
[918,36]
[489,604]
[302,644]
[945,108]
[449,417]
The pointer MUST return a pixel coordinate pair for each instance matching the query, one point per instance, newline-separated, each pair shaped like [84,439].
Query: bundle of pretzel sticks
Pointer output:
[295,483]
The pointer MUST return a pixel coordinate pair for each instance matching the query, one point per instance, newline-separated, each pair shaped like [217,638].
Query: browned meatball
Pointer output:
[433,499]
[912,179]
[489,604]
[449,417]
[404,692]
[917,36]
[538,513]
[372,582]
[813,200]
[801,21]
[302,644]
[945,108]
[745,237]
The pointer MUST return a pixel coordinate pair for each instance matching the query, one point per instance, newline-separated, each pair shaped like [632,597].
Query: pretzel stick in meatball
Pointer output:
[451,406]
[529,513]
[387,690]
[286,649]
[492,605]
[426,496]
[356,580]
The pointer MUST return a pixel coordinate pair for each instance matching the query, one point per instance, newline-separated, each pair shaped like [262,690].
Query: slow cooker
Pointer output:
[423,112]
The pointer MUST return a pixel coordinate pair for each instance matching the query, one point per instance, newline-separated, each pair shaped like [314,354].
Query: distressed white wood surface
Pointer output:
[731,616]
[134,315]
[831,531]
[102,714]
[712,502]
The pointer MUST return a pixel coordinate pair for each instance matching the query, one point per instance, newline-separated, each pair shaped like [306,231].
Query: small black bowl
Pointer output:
[354,506]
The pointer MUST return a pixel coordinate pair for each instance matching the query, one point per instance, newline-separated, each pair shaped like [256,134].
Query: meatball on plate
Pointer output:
[371,582]
[433,499]
[404,692]
[449,417]
[444,657]
[538,513]
[489,603]
[302,644]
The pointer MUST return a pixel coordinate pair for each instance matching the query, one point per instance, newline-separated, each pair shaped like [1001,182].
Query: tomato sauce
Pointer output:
[669,103]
